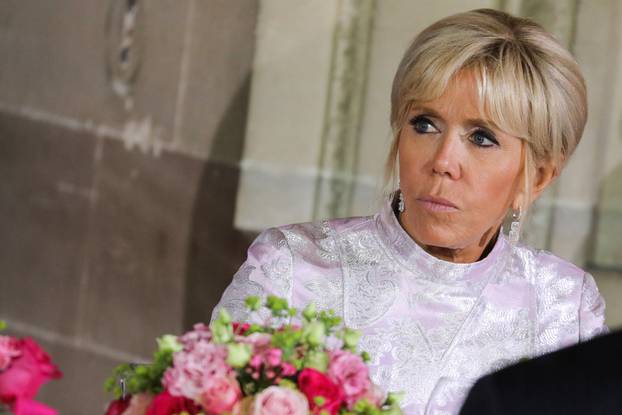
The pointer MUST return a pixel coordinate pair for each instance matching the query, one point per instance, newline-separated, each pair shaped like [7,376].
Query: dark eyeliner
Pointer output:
[487,134]
[414,121]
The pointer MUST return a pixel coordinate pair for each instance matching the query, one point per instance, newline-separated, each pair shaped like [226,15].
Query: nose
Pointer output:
[446,160]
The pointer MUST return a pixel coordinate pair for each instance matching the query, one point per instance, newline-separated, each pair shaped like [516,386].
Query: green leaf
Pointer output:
[2,324]
[319,400]
[394,398]
[287,383]
[277,305]
[309,312]
[238,354]
[351,338]
[253,302]
[314,333]
[224,316]
[317,360]
[222,332]
[168,342]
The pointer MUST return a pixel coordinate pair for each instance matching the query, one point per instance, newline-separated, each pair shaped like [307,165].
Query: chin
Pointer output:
[441,236]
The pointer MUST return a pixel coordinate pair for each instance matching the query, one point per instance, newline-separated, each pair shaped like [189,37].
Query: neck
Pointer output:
[463,255]
[473,253]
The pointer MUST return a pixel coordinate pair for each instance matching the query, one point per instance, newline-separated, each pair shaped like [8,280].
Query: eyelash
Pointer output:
[479,132]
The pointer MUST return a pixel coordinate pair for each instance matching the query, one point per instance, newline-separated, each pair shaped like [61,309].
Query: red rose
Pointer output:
[166,404]
[316,385]
[33,368]
[118,406]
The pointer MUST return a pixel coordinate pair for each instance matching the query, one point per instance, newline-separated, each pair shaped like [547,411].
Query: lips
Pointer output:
[437,204]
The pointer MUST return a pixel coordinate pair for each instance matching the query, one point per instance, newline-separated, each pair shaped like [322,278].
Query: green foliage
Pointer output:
[140,377]
[317,360]
[238,354]
[351,338]
[314,333]
[169,342]
[310,312]
[253,303]
[278,306]
[319,400]
[222,329]
[394,398]
[287,383]
[287,339]
[2,325]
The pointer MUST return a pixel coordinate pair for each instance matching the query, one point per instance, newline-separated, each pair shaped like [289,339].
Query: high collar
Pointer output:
[409,254]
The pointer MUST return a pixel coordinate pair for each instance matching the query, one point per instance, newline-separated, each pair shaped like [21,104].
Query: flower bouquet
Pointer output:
[254,369]
[24,367]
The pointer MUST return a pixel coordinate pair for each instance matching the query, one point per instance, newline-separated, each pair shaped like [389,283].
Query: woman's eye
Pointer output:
[423,125]
[484,139]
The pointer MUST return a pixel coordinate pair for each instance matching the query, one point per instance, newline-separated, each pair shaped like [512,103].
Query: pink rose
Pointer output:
[350,372]
[375,395]
[276,400]
[200,333]
[8,351]
[30,407]
[287,369]
[33,368]
[273,357]
[220,394]
[259,341]
[166,404]
[193,368]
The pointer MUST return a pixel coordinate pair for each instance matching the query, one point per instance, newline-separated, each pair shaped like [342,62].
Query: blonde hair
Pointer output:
[529,85]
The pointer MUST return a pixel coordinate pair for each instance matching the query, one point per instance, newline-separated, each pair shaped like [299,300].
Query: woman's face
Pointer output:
[458,174]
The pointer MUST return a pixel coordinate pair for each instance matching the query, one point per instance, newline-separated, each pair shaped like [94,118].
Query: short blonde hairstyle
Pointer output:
[529,85]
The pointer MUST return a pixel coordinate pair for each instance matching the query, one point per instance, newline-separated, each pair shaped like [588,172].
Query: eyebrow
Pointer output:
[476,122]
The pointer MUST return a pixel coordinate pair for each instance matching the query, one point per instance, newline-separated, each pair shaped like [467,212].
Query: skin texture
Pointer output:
[446,150]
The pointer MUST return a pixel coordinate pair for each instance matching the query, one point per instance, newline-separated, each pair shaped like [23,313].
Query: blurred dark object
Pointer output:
[582,379]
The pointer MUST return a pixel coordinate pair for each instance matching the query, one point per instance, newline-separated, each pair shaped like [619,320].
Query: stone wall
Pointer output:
[118,175]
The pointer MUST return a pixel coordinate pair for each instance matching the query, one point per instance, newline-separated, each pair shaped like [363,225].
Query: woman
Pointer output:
[486,109]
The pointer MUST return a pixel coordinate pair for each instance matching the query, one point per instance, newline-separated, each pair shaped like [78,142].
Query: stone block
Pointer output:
[137,248]
[215,85]
[46,176]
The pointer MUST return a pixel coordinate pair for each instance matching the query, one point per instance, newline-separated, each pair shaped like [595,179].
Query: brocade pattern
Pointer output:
[432,327]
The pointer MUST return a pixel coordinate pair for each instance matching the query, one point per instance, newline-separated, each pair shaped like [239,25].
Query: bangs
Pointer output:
[506,99]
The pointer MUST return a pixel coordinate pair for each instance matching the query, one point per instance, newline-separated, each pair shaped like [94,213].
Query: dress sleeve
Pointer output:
[591,310]
[266,271]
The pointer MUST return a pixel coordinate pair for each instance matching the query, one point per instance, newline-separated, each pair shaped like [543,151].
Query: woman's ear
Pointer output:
[546,172]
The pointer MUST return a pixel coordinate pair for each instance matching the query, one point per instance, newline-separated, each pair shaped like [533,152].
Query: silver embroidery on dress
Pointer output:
[241,287]
[431,327]
[371,284]
[327,293]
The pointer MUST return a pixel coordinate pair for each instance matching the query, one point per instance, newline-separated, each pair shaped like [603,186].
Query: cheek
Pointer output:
[412,155]
[496,186]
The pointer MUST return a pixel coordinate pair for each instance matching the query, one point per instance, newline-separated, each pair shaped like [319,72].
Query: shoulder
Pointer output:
[569,305]
[318,237]
[547,270]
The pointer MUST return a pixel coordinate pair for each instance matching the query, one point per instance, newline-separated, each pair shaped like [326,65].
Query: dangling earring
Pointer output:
[514,235]
[400,204]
